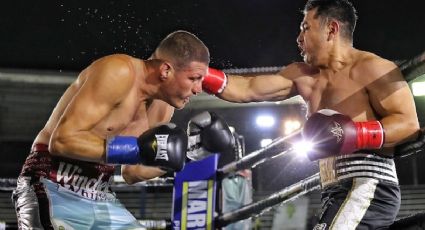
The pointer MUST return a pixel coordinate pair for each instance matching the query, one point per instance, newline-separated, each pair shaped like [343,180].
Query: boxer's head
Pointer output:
[181,48]
[326,24]
[185,60]
[340,10]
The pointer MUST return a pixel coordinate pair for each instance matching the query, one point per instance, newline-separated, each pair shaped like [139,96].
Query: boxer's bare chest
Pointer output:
[340,91]
[127,118]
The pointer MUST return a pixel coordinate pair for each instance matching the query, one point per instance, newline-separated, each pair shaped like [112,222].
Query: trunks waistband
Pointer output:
[337,168]
[70,173]
[40,148]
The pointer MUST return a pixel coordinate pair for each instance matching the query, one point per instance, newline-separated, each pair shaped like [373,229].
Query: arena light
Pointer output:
[418,88]
[303,147]
[265,121]
[290,126]
[265,142]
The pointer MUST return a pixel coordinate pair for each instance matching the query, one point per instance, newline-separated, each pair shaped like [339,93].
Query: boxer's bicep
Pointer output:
[159,112]
[391,98]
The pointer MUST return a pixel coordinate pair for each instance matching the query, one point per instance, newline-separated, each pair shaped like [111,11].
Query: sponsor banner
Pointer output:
[194,195]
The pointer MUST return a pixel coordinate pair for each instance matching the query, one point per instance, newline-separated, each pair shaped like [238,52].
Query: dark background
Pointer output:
[65,36]
[68,35]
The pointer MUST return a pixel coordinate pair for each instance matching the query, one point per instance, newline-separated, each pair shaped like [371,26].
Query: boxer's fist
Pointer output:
[163,146]
[208,133]
[411,147]
[333,133]
[214,82]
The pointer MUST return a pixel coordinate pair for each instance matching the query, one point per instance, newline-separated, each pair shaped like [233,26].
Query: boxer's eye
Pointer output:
[304,27]
[196,78]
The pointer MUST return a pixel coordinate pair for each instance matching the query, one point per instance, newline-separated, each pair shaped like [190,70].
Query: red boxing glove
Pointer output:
[214,82]
[333,133]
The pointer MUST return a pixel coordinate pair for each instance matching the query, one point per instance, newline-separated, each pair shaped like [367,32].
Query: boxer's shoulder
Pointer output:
[116,64]
[367,68]
[371,64]
[298,69]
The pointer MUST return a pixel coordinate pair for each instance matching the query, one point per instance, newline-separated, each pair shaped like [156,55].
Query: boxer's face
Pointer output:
[312,38]
[185,83]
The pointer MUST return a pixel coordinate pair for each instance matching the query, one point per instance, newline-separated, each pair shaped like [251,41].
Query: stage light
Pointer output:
[303,147]
[265,121]
[290,126]
[265,142]
[418,88]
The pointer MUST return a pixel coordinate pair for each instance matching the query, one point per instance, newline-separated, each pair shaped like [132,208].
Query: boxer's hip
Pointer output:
[60,208]
[74,175]
[338,168]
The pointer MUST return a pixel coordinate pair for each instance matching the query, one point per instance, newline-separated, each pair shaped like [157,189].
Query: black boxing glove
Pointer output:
[411,147]
[208,133]
[163,146]
[332,133]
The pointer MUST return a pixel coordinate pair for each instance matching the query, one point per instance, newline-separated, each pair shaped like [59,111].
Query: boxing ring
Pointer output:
[195,188]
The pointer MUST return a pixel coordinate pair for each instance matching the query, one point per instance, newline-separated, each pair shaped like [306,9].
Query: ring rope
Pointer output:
[289,193]
[259,156]
[414,67]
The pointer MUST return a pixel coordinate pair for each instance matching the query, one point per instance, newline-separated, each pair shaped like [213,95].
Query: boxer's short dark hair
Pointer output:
[183,48]
[340,10]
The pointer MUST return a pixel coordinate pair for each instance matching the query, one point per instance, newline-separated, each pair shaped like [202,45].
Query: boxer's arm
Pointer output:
[255,89]
[392,99]
[137,173]
[158,112]
[107,83]
[274,87]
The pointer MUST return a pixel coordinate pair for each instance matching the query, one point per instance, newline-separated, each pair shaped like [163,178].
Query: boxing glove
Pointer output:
[163,146]
[208,133]
[214,82]
[411,147]
[332,133]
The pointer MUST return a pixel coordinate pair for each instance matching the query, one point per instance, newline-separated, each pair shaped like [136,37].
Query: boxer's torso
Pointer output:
[344,91]
[132,116]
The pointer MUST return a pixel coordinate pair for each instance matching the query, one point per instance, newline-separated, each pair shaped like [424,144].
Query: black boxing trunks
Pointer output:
[360,191]
[60,193]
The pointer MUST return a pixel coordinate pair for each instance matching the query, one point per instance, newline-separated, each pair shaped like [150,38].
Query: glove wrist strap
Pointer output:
[122,150]
[370,135]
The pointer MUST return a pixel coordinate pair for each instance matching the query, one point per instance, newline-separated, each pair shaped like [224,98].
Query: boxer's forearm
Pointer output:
[242,89]
[137,173]
[81,146]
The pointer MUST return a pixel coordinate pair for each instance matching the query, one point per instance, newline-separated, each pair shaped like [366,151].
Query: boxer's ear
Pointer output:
[333,29]
[164,69]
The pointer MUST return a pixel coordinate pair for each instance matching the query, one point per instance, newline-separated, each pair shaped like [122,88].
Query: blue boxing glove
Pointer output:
[163,146]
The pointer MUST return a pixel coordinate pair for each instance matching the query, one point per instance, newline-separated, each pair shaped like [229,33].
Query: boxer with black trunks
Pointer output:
[116,112]
[355,145]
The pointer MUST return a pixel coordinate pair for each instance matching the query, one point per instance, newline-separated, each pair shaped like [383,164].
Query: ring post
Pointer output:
[194,195]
